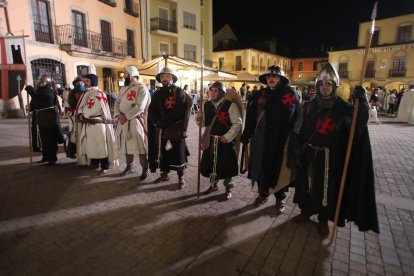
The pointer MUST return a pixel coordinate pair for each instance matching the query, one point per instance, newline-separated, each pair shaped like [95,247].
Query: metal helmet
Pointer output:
[220,86]
[274,70]
[166,70]
[328,74]
[132,71]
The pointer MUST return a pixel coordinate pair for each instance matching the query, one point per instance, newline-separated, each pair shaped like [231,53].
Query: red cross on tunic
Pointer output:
[326,126]
[90,103]
[223,118]
[131,95]
[169,102]
[102,97]
[288,100]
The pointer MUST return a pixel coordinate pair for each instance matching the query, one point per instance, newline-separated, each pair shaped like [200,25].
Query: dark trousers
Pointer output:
[264,191]
[49,139]
[391,109]
[103,162]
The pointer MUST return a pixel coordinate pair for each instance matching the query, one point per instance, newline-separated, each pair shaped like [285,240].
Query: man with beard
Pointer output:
[131,112]
[269,120]
[168,112]
[321,138]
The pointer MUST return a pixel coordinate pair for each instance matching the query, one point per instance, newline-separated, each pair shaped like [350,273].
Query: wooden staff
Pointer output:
[353,125]
[200,101]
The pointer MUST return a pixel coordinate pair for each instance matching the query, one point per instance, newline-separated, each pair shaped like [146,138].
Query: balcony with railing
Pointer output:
[370,74]
[161,24]
[79,40]
[43,33]
[397,72]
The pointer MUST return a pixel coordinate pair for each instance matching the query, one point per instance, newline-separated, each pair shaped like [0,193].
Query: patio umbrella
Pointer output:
[246,76]
[220,77]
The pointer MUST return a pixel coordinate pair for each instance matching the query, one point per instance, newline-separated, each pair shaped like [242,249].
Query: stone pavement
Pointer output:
[64,220]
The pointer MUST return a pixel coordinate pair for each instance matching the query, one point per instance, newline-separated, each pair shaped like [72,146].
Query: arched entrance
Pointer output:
[53,67]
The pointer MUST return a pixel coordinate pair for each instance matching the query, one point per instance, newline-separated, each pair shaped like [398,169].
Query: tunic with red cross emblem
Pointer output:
[133,99]
[93,104]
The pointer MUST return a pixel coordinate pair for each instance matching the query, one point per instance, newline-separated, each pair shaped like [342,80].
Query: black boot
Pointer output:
[144,175]
[128,170]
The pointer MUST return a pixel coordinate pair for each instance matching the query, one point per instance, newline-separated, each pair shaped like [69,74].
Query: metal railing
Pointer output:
[76,36]
[398,72]
[43,32]
[163,25]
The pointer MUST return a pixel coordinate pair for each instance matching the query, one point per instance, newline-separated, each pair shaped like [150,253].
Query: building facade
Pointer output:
[66,38]
[73,37]
[181,29]
[304,71]
[390,58]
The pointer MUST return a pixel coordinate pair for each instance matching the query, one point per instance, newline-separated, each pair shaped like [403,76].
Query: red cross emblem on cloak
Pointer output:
[102,97]
[288,100]
[223,118]
[90,103]
[169,102]
[326,126]
[131,95]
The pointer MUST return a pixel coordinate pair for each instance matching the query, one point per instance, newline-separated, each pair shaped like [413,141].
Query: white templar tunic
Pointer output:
[97,140]
[133,102]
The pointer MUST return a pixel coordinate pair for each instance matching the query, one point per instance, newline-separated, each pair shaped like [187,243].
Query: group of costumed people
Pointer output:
[284,144]
[289,145]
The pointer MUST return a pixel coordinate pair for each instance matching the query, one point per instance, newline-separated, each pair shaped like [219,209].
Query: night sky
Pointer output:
[299,24]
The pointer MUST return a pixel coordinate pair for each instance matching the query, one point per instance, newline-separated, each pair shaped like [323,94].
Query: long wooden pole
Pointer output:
[353,124]
[202,119]
[28,104]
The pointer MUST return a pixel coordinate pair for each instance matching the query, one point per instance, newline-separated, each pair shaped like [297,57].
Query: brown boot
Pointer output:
[259,201]
[211,189]
[181,182]
[163,177]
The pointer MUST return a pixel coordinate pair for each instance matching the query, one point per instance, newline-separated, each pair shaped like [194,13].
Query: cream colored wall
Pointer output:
[230,60]
[185,36]
[383,57]
[207,18]
[387,29]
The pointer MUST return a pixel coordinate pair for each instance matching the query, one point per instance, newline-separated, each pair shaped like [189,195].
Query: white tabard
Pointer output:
[97,140]
[133,101]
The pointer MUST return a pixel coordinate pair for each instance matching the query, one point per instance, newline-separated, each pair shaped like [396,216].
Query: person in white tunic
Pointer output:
[131,111]
[97,139]
[406,109]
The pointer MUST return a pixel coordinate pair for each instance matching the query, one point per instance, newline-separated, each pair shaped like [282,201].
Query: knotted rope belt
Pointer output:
[213,175]
[326,171]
